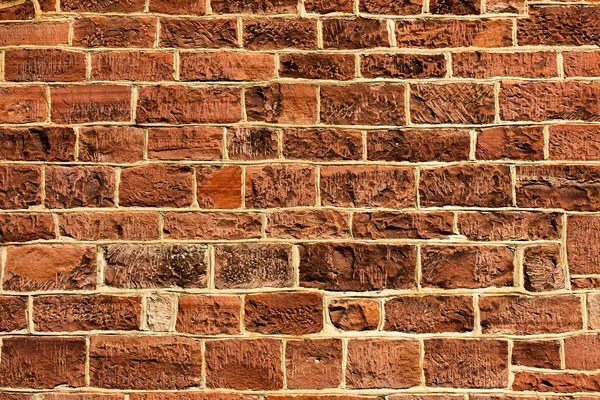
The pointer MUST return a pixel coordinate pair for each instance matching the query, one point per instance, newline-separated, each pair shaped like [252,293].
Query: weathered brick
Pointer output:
[80,186]
[248,143]
[13,314]
[574,142]
[355,315]
[542,268]
[505,6]
[317,224]
[585,283]
[403,66]
[111,144]
[560,26]
[209,315]
[26,227]
[328,6]
[313,364]
[219,187]
[481,65]
[581,63]
[81,396]
[429,314]
[321,144]
[583,253]
[20,185]
[282,103]
[212,226]
[195,7]
[22,104]
[34,34]
[404,7]
[90,103]
[455,7]
[254,6]
[284,313]
[439,33]
[188,33]
[132,65]
[392,225]
[472,267]
[280,33]
[226,66]
[537,354]
[556,382]
[359,33]
[22,11]
[110,226]
[582,352]
[112,6]
[317,66]
[156,186]
[114,31]
[50,65]
[185,143]
[37,144]
[159,312]
[515,143]
[510,225]
[191,396]
[280,186]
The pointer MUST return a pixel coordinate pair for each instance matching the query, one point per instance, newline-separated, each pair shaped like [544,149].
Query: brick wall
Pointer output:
[323,199]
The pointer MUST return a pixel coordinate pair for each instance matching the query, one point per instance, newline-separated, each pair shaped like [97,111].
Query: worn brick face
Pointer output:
[22,104]
[418,145]
[81,186]
[314,364]
[90,103]
[355,315]
[429,314]
[156,186]
[284,313]
[209,315]
[37,144]
[44,65]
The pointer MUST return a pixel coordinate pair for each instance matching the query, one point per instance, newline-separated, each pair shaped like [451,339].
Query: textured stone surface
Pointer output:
[185,143]
[212,226]
[518,143]
[13,314]
[280,186]
[486,65]
[224,66]
[132,65]
[90,103]
[354,33]
[26,227]
[186,33]
[103,6]
[48,34]
[109,226]
[254,7]
[581,64]
[37,144]
[252,143]
[583,253]
[355,315]
[80,186]
[557,382]
[108,144]
[560,26]
[542,269]
[538,354]
[275,34]
[178,6]
[313,364]
[455,7]
[209,315]
[25,65]
[510,225]
[284,313]
[391,225]
[403,66]
[308,224]
[581,352]
[114,32]
[317,66]
[21,186]
[440,33]
[156,186]
[322,144]
[282,103]
[219,187]
[159,312]
[22,104]
[574,142]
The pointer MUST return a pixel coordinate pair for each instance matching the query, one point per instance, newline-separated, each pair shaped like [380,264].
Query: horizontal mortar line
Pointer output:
[579,276]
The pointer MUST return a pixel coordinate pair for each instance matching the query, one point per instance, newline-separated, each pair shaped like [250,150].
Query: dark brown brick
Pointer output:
[226,66]
[359,33]
[209,315]
[15,12]
[80,186]
[455,7]
[188,33]
[132,66]
[245,143]
[481,65]
[542,268]
[322,144]
[219,187]
[110,226]
[280,186]
[185,143]
[321,224]
[275,34]
[560,26]
[402,7]
[317,66]
[212,226]
[114,31]
[429,314]
[20,185]
[156,186]
[37,144]
[111,144]
[355,315]
[392,225]
[26,227]
[328,6]
[90,103]
[537,354]
[13,314]
[515,143]
[50,65]
[254,6]
[284,313]
[112,6]
[403,66]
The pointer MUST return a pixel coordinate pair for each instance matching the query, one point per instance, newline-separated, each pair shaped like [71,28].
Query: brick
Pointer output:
[244,364]
[15,396]
[109,6]
[405,7]
[530,315]
[455,7]
[440,33]
[393,225]
[26,65]
[26,227]
[284,313]
[571,187]
[359,33]
[185,143]
[322,144]
[403,66]
[556,382]
[132,65]
[317,224]
[317,66]
[583,254]
[47,5]
[194,7]
[188,33]
[37,144]
[80,186]
[159,312]
[191,396]
[280,186]
[574,142]
[282,103]
[151,362]
[510,225]
[43,268]
[470,267]
[542,268]
[466,363]
[22,104]
[415,145]
[81,396]
[313,364]
[219,187]
[22,11]
[328,6]
[455,103]
[537,354]
[114,32]
[429,314]
[254,6]
[226,66]
[357,266]
[136,266]
[248,266]
[90,103]
[209,315]
[392,363]
[252,143]
[361,104]
[42,362]
[581,352]
[111,144]
[34,34]
[505,6]
[86,313]
[541,101]
[585,283]
[355,315]
[276,34]
[110,226]
[13,313]
[21,186]
[514,143]
[365,186]
[156,186]
[188,105]
[581,63]
[212,226]
[549,26]
[482,65]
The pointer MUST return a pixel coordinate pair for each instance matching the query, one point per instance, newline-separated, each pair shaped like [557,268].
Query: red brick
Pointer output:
[86,313]
[136,266]
[188,33]
[38,267]
[582,352]
[209,315]
[114,31]
[191,396]
[317,224]
[313,364]
[403,66]
[392,225]
[392,363]
[188,105]
[480,65]
[585,283]
[328,6]
[542,268]
[254,6]
[461,7]
[505,6]
[361,104]
[81,396]
[112,6]
[37,144]
[429,314]
[22,11]
[226,66]
[252,143]
[322,144]
[470,267]
[195,7]
[132,65]
[542,101]
[80,186]
[317,66]
[22,104]
[581,63]
[212,226]
[418,145]
[405,7]
[111,144]
[284,313]
[244,364]
[510,225]
[357,267]
[574,142]
[515,143]
[583,253]
[219,187]
[185,143]
[42,362]
[537,354]
[560,26]
[275,34]
[156,186]
[44,65]
[16,396]
[390,187]
[355,315]
[13,314]
[20,186]
[280,186]
[151,362]
[26,227]
[556,382]
[248,266]
[530,315]
[34,34]
[466,363]
[282,103]
[110,226]
[359,33]
[90,103]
